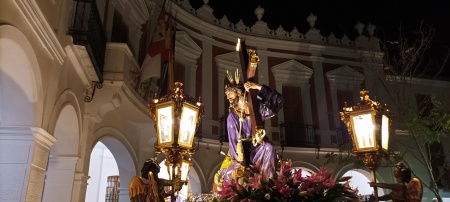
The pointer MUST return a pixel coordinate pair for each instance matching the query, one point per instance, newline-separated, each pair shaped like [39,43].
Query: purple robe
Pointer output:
[263,154]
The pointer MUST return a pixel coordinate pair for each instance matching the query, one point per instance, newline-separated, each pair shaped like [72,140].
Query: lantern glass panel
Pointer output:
[188,123]
[165,126]
[363,129]
[385,132]
[184,170]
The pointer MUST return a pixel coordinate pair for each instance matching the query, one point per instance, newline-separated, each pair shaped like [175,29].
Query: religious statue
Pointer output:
[405,190]
[148,187]
[243,148]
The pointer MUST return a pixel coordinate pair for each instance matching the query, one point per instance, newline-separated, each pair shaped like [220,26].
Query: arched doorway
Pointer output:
[116,143]
[360,180]
[63,157]
[102,165]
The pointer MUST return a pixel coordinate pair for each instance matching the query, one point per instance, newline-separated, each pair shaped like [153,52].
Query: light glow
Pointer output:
[165,133]
[363,127]
[385,132]
[184,170]
[188,124]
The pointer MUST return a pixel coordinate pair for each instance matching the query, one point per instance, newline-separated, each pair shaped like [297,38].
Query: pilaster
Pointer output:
[321,101]
[207,63]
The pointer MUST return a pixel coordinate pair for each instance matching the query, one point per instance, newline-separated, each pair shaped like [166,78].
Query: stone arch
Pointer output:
[367,176]
[123,153]
[196,178]
[63,156]
[305,165]
[20,80]
[21,106]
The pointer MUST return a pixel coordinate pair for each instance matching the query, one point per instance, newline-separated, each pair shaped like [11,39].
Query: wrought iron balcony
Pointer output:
[298,135]
[87,30]
[342,136]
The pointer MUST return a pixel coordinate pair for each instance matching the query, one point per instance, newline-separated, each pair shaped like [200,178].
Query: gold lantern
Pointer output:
[368,124]
[177,117]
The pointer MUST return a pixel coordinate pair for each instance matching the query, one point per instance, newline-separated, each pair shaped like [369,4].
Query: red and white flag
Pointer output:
[160,48]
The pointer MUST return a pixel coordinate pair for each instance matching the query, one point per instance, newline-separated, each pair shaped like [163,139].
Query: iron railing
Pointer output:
[87,30]
[299,135]
[342,136]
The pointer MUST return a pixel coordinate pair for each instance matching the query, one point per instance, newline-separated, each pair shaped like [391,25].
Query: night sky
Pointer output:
[340,17]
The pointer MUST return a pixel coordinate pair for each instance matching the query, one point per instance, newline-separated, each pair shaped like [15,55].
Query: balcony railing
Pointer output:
[342,136]
[298,135]
[87,30]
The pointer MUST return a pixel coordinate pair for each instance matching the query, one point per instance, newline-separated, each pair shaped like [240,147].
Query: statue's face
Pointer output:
[398,170]
[232,97]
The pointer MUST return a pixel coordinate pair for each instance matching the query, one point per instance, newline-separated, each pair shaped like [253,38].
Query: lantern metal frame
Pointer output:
[371,156]
[176,152]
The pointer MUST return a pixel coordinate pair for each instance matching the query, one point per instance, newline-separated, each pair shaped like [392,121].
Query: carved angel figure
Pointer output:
[405,190]
[147,187]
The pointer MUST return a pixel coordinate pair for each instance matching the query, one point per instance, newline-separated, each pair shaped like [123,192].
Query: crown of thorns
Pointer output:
[233,80]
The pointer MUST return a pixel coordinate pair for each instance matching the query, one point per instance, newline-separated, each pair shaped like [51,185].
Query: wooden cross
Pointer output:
[249,62]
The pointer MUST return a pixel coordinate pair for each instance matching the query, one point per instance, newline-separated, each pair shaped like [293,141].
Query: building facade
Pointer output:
[70,77]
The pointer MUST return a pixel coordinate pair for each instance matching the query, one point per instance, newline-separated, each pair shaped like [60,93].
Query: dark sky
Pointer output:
[340,17]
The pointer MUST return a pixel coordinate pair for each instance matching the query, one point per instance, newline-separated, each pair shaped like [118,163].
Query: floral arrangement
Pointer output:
[287,184]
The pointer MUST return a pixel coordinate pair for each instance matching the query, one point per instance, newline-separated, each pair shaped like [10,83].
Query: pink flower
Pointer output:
[226,191]
[286,191]
[286,167]
[297,177]
[255,182]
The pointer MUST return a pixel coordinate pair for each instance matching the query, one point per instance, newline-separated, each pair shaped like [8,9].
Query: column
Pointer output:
[58,185]
[263,75]
[207,63]
[16,146]
[221,91]
[80,186]
[336,109]
[321,101]
[190,78]
[39,159]
[306,106]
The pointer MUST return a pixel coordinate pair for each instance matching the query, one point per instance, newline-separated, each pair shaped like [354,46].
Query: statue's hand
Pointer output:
[259,136]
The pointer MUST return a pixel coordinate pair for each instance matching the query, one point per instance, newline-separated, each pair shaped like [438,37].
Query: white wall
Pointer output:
[102,165]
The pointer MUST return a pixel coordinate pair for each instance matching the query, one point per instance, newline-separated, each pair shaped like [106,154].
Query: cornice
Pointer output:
[33,15]
[186,45]
[292,72]
[193,20]
[343,76]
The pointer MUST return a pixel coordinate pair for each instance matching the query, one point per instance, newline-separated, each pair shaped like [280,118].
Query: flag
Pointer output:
[159,50]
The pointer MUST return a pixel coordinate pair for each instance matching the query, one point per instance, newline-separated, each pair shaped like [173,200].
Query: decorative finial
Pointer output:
[370,29]
[359,27]
[311,20]
[259,12]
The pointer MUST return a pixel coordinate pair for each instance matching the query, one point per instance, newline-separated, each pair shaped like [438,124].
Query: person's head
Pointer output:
[234,88]
[150,165]
[402,172]
[233,93]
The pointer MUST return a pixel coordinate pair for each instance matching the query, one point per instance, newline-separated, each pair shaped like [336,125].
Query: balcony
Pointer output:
[87,31]
[299,135]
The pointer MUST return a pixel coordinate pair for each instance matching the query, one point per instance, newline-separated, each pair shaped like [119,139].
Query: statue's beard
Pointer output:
[234,103]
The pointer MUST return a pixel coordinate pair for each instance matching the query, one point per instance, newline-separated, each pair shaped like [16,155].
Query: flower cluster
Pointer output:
[287,184]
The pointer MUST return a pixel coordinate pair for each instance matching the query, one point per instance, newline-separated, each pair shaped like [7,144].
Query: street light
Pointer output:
[368,124]
[177,117]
